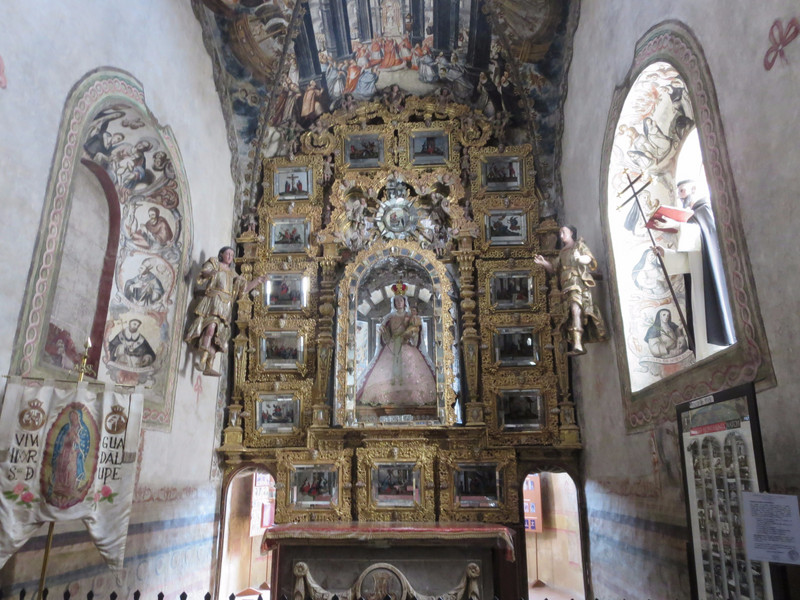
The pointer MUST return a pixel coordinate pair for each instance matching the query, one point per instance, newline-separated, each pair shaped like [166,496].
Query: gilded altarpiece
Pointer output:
[401,355]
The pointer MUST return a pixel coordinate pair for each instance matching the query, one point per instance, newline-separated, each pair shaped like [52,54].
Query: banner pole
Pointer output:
[47,546]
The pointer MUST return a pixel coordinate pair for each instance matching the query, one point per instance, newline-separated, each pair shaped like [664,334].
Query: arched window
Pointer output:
[685,310]
[113,243]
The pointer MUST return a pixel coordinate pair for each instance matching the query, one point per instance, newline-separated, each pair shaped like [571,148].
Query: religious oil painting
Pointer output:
[507,228]
[519,409]
[277,413]
[286,292]
[501,173]
[70,457]
[395,484]
[478,485]
[516,347]
[281,350]
[293,183]
[288,235]
[428,148]
[511,290]
[314,486]
[364,151]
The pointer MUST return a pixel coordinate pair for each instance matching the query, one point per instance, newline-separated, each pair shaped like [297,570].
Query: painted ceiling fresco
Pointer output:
[281,65]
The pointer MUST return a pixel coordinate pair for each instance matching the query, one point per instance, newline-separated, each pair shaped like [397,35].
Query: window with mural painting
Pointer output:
[672,287]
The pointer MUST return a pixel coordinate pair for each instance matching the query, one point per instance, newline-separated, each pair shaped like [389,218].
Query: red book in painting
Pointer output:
[673,212]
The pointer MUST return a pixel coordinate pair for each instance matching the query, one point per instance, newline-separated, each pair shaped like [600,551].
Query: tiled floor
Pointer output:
[542,592]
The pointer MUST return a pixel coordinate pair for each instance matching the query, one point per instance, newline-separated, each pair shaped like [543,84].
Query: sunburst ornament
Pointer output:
[397,219]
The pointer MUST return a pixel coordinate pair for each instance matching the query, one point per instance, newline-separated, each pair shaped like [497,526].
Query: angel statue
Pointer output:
[212,324]
[582,321]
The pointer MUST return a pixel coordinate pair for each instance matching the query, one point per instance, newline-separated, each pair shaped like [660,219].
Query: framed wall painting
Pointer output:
[286,292]
[281,350]
[295,180]
[520,409]
[723,457]
[511,290]
[503,172]
[313,482]
[505,224]
[516,346]
[479,485]
[276,415]
[366,149]
[513,285]
[421,146]
[507,227]
[289,235]
[395,483]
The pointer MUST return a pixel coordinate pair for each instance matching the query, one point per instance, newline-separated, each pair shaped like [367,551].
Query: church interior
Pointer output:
[461,299]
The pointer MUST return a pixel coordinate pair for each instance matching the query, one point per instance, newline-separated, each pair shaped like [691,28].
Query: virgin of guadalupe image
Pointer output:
[400,374]
[68,463]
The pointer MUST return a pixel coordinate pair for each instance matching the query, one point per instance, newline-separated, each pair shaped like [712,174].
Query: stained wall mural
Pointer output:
[118,210]
[283,70]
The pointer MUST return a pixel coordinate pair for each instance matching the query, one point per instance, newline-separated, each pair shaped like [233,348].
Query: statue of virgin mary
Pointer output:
[400,374]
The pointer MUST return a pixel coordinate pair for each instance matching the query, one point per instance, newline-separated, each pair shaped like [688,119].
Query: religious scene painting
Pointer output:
[507,228]
[478,485]
[289,235]
[364,151]
[129,349]
[429,148]
[519,409]
[314,486]
[511,290]
[501,174]
[293,183]
[676,308]
[288,292]
[281,350]
[516,346]
[70,457]
[277,413]
[395,484]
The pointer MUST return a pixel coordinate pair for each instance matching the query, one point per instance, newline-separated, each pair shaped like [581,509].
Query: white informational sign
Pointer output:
[772,527]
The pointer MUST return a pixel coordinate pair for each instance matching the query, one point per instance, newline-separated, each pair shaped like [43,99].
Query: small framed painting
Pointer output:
[507,228]
[478,485]
[364,151]
[516,347]
[314,486]
[428,147]
[519,409]
[282,350]
[502,173]
[277,413]
[509,290]
[395,484]
[286,291]
[288,235]
[292,183]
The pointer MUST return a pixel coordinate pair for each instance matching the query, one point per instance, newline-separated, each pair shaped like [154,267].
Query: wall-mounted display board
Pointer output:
[722,458]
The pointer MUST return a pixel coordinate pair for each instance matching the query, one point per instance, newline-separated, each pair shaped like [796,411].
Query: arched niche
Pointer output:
[673,93]
[367,297]
[113,244]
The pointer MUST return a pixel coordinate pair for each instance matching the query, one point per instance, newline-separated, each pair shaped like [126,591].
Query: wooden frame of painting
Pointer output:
[506,226]
[293,180]
[511,418]
[421,146]
[510,285]
[397,482]
[479,485]
[269,423]
[521,409]
[279,345]
[510,171]
[367,148]
[289,235]
[286,291]
[314,482]
[518,346]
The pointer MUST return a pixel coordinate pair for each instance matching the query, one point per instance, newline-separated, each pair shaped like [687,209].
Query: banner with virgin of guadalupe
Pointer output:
[67,453]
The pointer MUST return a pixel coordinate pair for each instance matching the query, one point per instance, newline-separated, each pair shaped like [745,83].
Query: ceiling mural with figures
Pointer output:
[281,65]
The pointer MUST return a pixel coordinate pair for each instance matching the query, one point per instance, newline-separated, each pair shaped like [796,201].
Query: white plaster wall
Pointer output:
[47,47]
[761,118]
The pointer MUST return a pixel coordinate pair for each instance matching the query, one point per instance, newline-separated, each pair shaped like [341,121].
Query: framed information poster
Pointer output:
[722,457]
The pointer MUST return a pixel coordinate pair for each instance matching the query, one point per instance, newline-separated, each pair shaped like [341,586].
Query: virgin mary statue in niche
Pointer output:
[400,374]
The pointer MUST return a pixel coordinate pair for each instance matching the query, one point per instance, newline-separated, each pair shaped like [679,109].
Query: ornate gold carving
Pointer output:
[271,174]
[280,328]
[521,243]
[526,178]
[447,160]
[419,456]
[288,511]
[491,274]
[272,435]
[451,462]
